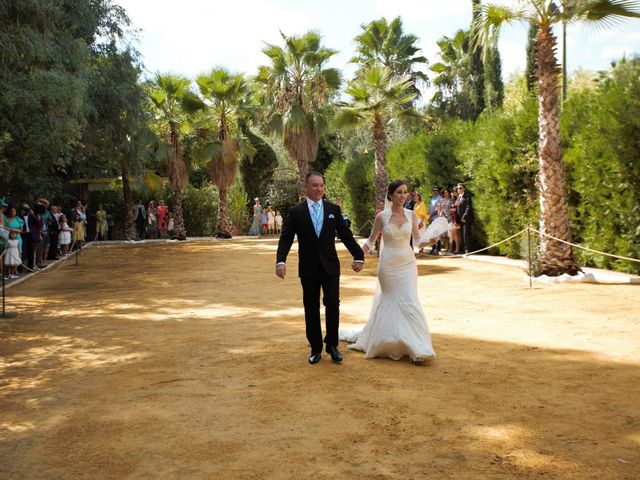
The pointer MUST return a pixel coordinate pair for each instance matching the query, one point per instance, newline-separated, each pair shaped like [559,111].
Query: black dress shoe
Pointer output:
[314,358]
[336,356]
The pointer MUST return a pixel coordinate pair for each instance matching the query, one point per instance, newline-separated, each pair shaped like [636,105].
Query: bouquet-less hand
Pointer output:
[357,266]
[281,270]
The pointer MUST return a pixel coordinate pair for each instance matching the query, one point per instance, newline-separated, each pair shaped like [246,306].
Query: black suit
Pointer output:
[318,266]
[465,216]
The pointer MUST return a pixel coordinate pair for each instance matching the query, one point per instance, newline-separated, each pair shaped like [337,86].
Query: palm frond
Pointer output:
[348,117]
[606,13]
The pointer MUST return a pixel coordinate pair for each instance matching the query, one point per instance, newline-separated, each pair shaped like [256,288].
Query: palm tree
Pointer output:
[386,44]
[555,257]
[169,94]
[452,80]
[226,95]
[377,98]
[296,91]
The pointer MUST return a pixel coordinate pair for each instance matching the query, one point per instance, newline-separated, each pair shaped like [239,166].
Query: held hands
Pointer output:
[357,266]
[281,270]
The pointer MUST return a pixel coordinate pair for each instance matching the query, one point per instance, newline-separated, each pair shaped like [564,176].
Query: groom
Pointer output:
[316,221]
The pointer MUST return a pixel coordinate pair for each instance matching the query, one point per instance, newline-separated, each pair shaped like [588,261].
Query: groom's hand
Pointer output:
[357,266]
[281,270]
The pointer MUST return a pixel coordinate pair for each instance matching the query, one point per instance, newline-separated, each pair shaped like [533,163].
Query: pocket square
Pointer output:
[331,215]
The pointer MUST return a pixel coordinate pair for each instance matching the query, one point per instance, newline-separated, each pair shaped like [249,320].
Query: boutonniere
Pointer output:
[331,215]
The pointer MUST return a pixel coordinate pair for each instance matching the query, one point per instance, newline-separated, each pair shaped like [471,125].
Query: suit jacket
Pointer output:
[464,209]
[316,253]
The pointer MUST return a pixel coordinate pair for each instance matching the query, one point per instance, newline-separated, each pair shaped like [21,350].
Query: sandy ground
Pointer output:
[189,361]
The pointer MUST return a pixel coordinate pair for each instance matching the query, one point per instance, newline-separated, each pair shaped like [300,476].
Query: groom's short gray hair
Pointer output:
[313,174]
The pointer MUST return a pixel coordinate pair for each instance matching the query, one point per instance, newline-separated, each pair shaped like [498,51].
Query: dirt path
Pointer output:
[189,361]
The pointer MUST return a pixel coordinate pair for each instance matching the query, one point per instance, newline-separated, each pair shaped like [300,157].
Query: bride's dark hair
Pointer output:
[393,186]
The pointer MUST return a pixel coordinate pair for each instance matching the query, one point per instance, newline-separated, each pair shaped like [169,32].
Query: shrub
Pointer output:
[200,208]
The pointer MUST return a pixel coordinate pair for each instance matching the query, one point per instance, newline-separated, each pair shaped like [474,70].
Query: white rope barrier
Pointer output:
[462,255]
[584,248]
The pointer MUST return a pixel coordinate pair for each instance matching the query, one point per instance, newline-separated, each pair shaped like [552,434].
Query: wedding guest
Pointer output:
[421,212]
[271,221]
[28,220]
[278,222]
[465,216]
[455,225]
[110,224]
[140,218]
[435,200]
[38,234]
[102,228]
[170,225]
[163,214]
[257,214]
[45,245]
[152,220]
[444,210]
[65,235]
[54,232]
[410,203]
[4,233]
[265,221]
[78,231]
[14,223]
[12,256]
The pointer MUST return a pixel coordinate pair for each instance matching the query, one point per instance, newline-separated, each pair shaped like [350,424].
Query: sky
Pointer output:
[190,37]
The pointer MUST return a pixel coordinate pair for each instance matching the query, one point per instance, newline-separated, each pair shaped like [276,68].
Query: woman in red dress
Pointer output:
[163,217]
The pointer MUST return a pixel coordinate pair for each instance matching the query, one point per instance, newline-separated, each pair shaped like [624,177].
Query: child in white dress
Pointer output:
[12,256]
[64,237]
[278,222]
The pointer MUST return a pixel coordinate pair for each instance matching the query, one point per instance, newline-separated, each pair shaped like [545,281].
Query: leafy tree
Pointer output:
[226,95]
[45,61]
[601,130]
[117,125]
[378,98]
[296,91]
[555,256]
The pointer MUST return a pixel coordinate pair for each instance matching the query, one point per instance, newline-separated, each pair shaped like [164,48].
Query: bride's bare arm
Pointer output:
[415,229]
[371,241]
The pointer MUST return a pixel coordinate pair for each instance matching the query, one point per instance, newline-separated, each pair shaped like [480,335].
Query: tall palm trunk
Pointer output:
[222,229]
[129,224]
[179,230]
[380,144]
[177,174]
[303,147]
[555,257]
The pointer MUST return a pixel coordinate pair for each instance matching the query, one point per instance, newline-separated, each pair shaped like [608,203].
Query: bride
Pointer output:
[396,325]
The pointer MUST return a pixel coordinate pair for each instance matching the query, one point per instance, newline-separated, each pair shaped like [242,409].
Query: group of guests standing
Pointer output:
[31,237]
[454,204]
[265,221]
[153,221]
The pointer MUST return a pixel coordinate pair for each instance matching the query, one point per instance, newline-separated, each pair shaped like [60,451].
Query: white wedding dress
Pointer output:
[397,326]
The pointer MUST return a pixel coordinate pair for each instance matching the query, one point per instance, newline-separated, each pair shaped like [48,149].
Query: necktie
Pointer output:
[317,220]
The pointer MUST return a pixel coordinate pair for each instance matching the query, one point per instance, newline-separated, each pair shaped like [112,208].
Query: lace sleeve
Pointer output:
[375,232]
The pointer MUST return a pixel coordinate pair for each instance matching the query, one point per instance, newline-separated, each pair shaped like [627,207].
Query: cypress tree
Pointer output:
[530,73]
[476,70]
